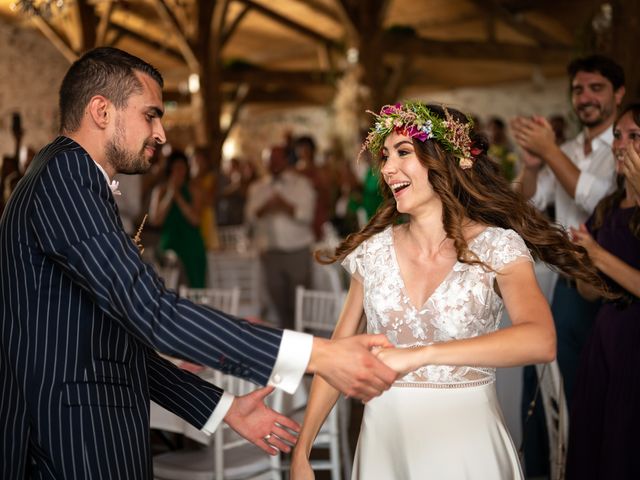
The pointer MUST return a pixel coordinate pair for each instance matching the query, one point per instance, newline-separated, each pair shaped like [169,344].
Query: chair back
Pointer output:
[170,276]
[223,299]
[317,311]
[242,270]
[327,277]
[234,237]
[167,266]
[556,415]
[231,450]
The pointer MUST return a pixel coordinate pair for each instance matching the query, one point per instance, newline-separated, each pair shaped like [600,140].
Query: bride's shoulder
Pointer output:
[384,237]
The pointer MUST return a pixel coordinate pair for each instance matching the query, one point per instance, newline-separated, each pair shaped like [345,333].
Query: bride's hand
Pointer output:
[300,468]
[399,359]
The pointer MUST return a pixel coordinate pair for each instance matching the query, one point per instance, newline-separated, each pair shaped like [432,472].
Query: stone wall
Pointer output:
[31,70]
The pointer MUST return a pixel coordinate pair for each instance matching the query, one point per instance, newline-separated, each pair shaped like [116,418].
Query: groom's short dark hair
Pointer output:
[105,71]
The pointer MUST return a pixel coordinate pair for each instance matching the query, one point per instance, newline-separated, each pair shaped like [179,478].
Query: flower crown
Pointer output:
[415,120]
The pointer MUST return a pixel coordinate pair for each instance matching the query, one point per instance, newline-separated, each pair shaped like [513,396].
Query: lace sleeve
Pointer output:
[354,263]
[508,248]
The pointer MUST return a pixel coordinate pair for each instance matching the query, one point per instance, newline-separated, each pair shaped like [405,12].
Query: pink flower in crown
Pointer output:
[391,109]
[414,132]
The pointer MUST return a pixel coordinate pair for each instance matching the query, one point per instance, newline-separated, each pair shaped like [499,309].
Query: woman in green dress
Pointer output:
[176,206]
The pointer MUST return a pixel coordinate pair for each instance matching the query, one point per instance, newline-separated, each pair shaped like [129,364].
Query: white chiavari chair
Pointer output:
[224,299]
[317,312]
[234,237]
[556,415]
[242,270]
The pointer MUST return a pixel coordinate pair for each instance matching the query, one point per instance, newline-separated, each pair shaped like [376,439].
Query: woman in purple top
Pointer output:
[605,414]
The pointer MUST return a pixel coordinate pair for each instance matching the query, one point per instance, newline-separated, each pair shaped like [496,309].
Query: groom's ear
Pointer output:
[99,111]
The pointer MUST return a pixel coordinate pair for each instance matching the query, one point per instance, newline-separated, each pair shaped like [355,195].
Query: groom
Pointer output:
[81,316]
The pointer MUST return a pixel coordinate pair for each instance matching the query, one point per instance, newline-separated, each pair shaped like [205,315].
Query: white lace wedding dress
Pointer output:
[439,422]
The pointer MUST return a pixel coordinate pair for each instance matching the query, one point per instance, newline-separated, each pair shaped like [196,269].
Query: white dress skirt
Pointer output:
[415,433]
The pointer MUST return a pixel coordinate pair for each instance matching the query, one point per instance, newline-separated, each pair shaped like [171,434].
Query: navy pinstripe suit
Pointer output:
[81,318]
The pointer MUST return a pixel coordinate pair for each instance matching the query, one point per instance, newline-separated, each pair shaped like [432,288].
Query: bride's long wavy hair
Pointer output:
[483,195]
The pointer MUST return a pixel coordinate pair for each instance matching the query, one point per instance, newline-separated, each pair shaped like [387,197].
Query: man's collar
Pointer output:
[113,184]
[605,137]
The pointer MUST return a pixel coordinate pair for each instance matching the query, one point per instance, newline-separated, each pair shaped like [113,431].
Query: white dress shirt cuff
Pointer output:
[292,361]
[224,404]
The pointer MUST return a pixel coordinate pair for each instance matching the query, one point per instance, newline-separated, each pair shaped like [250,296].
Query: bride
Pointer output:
[435,285]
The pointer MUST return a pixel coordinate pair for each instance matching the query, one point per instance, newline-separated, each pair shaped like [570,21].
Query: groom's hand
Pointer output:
[267,429]
[349,365]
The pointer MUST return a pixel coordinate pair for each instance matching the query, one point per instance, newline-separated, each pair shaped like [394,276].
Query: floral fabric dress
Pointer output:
[438,422]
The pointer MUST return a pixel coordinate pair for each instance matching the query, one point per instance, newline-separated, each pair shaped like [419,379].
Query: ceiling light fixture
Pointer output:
[41,8]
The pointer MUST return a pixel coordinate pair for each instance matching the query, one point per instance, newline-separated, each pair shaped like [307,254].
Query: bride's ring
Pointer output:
[267,437]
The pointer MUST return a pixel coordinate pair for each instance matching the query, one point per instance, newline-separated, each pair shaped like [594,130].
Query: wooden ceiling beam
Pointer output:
[423,47]
[184,46]
[447,22]
[516,6]
[231,28]
[240,98]
[103,26]
[87,24]
[517,22]
[125,32]
[323,9]
[287,22]
[287,96]
[261,77]
[54,37]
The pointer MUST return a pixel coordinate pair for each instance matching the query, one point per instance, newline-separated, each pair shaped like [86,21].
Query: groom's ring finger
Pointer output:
[277,443]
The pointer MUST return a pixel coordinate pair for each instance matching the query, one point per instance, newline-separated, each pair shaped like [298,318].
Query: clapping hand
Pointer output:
[252,419]
[631,170]
[534,134]
[531,161]
[582,237]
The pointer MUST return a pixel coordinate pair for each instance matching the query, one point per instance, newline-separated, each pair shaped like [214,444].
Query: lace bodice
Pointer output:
[464,305]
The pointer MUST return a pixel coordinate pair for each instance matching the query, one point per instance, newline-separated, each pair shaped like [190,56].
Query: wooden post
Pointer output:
[625,28]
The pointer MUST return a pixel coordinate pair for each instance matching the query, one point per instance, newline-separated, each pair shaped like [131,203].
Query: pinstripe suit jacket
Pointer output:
[81,316]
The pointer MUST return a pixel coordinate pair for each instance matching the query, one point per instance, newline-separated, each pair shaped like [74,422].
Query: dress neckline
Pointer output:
[396,265]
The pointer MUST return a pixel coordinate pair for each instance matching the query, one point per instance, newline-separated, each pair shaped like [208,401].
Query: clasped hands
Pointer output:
[362,366]
[535,136]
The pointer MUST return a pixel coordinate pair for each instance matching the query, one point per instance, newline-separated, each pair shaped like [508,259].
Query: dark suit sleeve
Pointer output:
[181,392]
[75,223]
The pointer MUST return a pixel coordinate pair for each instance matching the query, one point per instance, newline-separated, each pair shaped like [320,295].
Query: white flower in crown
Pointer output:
[114,187]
